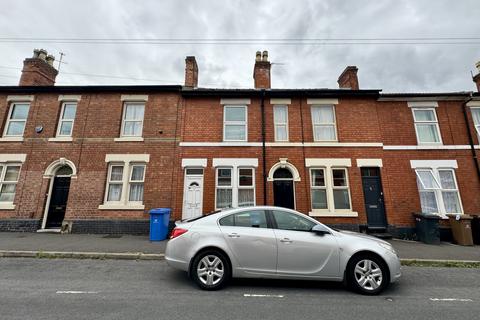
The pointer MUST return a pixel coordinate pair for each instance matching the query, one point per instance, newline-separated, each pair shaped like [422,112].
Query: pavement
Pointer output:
[139,247]
[127,289]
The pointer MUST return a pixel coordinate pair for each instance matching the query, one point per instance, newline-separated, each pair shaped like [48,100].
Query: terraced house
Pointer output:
[97,158]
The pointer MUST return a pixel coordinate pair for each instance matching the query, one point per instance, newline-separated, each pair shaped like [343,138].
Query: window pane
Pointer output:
[235,132]
[324,132]
[451,202]
[224,198]
[116,173]
[235,113]
[69,111]
[427,179]
[427,133]
[134,112]
[280,114]
[132,128]
[20,111]
[15,128]
[319,199]
[446,179]
[476,115]
[66,128]
[245,197]
[424,115]
[323,114]
[224,177]
[65,171]
[290,221]
[194,171]
[227,221]
[339,178]
[137,173]
[245,177]
[136,192]
[114,192]
[7,193]
[12,173]
[281,132]
[251,219]
[428,202]
[341,199]
[318,178]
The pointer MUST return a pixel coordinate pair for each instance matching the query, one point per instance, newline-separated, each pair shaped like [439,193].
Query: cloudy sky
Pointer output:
[392,67]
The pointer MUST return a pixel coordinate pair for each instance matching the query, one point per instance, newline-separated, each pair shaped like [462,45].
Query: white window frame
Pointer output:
[329,187]
[109,181]
[476,125]
[4,166]
[130,181]
[313,187]
[237,123]
[435,122]
[124,113]
[277,123]
[61,119]
[252,187]
[334,123]
[234,184]
[9,120]
[217,186]
[438,191]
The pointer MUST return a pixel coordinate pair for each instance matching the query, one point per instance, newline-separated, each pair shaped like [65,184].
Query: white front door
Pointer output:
[192,197]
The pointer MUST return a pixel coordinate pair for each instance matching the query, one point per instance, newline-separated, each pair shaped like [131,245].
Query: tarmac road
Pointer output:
[117,289]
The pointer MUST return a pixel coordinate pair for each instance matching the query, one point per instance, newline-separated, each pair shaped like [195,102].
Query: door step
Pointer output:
[380,235]
[49,230]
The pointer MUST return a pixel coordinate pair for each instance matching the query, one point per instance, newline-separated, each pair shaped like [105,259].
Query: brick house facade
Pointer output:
[351,158]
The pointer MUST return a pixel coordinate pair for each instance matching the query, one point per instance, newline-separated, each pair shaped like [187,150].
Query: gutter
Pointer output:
[469,132]
[264,150]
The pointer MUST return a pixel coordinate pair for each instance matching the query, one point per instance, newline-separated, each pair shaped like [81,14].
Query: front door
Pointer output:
[58,202]
[373,194]
[283,194]
[192,198]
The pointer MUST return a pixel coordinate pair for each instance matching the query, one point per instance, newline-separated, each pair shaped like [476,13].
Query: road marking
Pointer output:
[451,299]
[76,292]
[263,295]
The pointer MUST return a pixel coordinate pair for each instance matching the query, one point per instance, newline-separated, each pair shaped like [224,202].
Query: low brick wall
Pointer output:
[19,225]
[137,227]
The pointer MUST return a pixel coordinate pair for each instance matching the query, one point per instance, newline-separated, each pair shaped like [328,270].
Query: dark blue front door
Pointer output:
[373,194]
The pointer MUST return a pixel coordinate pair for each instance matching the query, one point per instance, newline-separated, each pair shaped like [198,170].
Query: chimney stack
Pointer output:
[348,79]
[38,70]
[261,71]
[476,78]
[191,72]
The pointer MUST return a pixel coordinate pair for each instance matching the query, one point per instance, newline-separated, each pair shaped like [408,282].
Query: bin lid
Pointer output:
[426,215]
[160,211]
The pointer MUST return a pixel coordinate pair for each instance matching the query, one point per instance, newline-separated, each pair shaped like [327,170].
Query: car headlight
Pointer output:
[387,246]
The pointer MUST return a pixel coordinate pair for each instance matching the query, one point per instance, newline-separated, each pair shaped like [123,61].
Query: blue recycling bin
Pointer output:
[159,219]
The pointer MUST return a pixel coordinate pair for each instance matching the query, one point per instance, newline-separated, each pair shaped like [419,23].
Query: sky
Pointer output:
[392,67]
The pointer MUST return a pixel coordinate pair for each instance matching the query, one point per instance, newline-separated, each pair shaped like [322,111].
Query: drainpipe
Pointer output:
[470,137]
[264,150]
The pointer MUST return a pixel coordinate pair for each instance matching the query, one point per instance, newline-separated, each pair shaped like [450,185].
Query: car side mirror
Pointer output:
[320,229]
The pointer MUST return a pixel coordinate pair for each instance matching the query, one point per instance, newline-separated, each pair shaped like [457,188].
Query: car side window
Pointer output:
[290,221]
[249,219]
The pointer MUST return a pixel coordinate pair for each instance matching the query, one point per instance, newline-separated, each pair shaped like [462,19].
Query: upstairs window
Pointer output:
[235,123]
[280,120]
[476,119]
[324,126]
[132,123]
[426,126]
[66,120]
[16,120]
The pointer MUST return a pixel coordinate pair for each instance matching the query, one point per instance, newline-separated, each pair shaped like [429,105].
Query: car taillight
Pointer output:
[177,232]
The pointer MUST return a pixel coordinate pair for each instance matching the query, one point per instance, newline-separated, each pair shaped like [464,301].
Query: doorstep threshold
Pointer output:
[53,230]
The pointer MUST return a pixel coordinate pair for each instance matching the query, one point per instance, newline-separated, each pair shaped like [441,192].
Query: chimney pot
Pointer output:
[258,56]
[42,54]
[478,66]
[265,56]
[50,58]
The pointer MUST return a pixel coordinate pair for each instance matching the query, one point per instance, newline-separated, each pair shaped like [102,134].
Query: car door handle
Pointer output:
[286,240]
[233,235]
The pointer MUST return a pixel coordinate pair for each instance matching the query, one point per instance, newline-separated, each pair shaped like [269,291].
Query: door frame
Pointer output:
[382,195]
[49,197]
[202,176]
[293,184]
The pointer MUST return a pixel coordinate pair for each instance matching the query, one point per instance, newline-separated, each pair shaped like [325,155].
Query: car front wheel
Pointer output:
[367,274]
[210,270]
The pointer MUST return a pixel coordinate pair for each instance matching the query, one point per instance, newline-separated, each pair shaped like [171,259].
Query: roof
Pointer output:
[79,89]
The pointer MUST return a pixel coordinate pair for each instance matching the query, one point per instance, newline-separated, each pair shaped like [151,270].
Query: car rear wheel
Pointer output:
[367,274]
[210,270]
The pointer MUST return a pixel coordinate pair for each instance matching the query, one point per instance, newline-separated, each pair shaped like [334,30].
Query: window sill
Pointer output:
[60,139]
[11,139]
[128,139]
[121,207]
[334,214]
[7,206]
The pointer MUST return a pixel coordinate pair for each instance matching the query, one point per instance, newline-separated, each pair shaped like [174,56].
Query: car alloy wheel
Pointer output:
[368,275]
[210,270]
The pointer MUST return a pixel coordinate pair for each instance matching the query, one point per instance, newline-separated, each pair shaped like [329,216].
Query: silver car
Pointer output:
[272,242]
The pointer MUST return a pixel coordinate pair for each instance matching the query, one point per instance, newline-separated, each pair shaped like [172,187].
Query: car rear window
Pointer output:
[249,219]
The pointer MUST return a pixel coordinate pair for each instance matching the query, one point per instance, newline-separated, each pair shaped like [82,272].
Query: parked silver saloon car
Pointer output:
[273,242]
